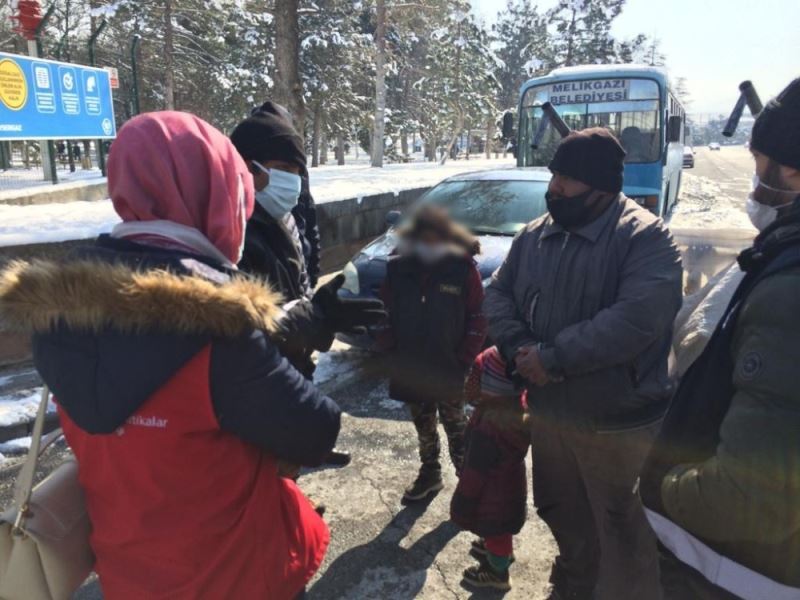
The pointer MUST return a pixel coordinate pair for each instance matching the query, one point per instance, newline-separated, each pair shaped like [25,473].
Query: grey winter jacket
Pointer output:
[601,301]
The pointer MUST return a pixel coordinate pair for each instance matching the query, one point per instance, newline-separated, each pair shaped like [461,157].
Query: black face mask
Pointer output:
[569,211]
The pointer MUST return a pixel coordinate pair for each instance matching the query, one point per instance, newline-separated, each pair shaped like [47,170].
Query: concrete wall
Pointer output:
[347,225]
[57,194]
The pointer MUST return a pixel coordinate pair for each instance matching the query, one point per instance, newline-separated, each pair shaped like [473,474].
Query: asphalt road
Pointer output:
[732,167]
[380,549]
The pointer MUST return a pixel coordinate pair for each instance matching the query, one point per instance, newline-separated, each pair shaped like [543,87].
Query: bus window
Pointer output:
[629,108]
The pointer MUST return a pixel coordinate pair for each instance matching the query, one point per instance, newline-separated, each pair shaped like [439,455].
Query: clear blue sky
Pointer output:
[715,44]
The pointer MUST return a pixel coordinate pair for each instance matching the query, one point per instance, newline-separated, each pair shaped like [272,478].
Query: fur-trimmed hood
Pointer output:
[113,325]
[90,296]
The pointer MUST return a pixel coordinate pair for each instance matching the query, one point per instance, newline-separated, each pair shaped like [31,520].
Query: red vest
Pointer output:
[182,509]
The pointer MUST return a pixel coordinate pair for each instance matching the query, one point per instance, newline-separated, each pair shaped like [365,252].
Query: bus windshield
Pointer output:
[629,107]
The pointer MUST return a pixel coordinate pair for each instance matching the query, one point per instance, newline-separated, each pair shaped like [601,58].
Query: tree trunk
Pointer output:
[169,58]
[380,85]
[469,139]
[288,89]
[459,111]
[316,135]
[571,39]
[404,143]
[489,136]
[323,144]
[340,149]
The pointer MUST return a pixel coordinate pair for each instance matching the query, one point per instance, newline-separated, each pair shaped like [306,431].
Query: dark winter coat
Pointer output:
[436,325]
[305,214]
[601,300]
[273,251]
[177,406]
[726,466]
[491,495]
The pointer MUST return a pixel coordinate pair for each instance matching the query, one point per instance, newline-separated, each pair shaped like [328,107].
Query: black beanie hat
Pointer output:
[268,135]
[592,156]
[776,132]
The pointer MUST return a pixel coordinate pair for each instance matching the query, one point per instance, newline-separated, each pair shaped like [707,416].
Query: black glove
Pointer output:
[346,315]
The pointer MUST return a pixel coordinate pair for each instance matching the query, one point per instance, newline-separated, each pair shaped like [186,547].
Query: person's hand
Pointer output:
[346,315]
[529,365]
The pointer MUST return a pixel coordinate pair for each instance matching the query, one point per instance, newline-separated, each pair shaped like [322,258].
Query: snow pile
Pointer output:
[703,204]
[47,223]
[20,407]
[19,446]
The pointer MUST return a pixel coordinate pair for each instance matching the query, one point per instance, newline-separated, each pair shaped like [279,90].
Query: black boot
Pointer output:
[428,482]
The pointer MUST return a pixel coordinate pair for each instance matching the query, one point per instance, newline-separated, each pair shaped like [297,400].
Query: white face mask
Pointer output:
[762,215]
[430,254]
[281,194]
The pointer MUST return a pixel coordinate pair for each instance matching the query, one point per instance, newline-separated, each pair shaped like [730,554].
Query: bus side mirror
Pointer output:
[508,125]
[674,129]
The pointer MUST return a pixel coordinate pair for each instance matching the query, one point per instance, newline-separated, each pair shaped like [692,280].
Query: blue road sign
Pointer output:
[44,100]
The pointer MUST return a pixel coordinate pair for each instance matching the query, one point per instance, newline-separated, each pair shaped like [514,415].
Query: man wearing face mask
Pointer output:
[722,484]
[583,308]
[274,152]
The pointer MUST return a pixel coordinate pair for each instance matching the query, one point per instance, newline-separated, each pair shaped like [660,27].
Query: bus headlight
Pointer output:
[351,283]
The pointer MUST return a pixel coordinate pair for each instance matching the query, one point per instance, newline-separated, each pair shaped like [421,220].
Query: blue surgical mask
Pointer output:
[281,194]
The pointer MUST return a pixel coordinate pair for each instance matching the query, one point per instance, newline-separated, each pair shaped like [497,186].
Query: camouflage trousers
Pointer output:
[454,421]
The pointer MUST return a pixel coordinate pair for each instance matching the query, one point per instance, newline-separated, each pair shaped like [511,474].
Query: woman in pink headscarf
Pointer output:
[177,405]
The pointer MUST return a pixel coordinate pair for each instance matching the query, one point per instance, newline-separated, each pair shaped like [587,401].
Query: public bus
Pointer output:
[634,101]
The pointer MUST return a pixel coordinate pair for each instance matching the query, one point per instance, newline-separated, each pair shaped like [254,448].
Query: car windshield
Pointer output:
[491,207]
[629,107]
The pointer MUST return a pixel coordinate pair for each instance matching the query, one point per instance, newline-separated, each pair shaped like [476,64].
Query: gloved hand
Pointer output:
[346,315]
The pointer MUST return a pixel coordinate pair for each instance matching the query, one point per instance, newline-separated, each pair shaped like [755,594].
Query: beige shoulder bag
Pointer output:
[44,537]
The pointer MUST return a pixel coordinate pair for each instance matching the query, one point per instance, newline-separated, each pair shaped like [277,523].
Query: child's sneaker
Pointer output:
[478,550]
[484,576]
[428,482]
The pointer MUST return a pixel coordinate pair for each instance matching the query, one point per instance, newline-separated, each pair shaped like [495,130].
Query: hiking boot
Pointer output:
[478,550]
[484,576]
[428,482]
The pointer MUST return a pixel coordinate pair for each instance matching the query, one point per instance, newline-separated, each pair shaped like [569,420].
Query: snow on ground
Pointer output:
[705,205]
[20,407]
[19,446]
[15,408]
[337,365]
[46,223]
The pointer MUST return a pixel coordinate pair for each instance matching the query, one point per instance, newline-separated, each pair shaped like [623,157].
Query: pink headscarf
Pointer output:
[173,166]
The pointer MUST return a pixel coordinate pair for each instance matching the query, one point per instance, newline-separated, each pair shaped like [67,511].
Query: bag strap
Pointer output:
[24,485]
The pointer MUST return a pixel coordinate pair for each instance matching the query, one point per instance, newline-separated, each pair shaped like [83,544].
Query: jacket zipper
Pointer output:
[546,329]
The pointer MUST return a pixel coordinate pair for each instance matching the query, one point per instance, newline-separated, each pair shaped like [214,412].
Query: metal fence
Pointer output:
[22,164]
